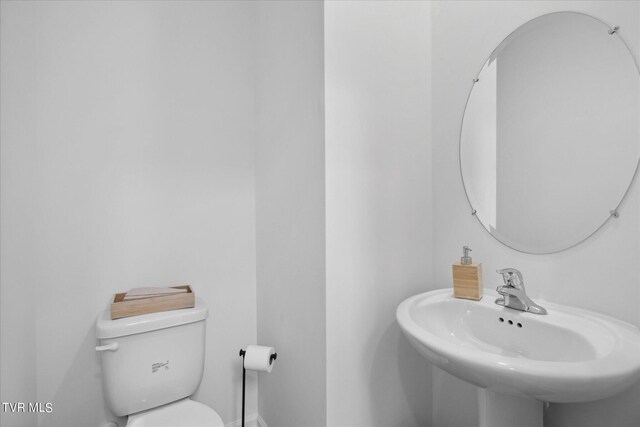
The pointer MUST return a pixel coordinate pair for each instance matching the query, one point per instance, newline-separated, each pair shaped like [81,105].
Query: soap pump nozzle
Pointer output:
[466,259]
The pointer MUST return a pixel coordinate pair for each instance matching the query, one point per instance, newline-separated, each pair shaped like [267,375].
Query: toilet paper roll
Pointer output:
[258,358]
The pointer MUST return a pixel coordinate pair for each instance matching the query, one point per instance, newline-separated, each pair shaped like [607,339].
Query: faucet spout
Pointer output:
[513,293]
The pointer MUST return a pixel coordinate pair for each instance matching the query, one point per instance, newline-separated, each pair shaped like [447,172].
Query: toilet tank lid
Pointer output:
[107,328]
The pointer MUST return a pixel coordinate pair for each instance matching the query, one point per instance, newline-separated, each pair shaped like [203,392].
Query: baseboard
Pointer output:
[254,420]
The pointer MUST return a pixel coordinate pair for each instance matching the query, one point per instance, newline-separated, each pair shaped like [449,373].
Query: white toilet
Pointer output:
[152,363]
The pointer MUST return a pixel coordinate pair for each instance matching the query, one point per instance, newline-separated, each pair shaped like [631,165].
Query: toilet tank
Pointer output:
[152,359]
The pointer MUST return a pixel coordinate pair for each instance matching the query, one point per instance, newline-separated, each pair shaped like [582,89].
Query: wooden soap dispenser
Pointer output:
[467,277]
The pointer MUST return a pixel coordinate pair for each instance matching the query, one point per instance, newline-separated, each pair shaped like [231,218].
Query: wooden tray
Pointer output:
[121,308]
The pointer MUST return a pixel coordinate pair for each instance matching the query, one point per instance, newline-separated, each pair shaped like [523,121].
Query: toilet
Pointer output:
[152,363]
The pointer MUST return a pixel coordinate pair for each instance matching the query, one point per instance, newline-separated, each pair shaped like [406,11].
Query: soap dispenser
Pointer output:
[467,277]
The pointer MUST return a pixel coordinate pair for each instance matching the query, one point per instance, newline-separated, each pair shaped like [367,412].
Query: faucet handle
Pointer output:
[508,277]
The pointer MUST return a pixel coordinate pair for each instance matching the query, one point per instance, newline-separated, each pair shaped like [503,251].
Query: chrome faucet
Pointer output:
[513,293]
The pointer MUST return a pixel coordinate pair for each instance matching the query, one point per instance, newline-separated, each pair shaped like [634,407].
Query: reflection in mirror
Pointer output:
[550,139]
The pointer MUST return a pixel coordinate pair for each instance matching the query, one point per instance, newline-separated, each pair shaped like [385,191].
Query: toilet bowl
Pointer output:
[184,413]
[152,364]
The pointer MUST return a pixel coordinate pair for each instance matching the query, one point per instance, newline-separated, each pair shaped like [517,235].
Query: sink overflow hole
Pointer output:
[501,320]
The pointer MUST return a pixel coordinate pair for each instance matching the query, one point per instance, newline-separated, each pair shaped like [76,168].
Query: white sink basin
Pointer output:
[568,355]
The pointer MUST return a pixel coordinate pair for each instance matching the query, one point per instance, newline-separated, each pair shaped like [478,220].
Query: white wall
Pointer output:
[17,313]
[602,274]
[127,161]
[290,214]
[378,186]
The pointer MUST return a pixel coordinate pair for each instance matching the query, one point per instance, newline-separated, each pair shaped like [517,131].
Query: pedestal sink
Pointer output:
[518,359]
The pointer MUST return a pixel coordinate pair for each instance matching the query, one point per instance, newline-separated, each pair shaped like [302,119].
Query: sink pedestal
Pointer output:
[504,410]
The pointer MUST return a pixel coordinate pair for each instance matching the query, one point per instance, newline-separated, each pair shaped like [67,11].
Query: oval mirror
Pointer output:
[550,138]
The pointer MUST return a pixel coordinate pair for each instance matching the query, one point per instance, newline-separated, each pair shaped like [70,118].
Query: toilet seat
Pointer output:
[183,413]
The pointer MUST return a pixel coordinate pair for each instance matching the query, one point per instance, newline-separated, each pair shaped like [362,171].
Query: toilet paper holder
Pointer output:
[273,357]
[243,352]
